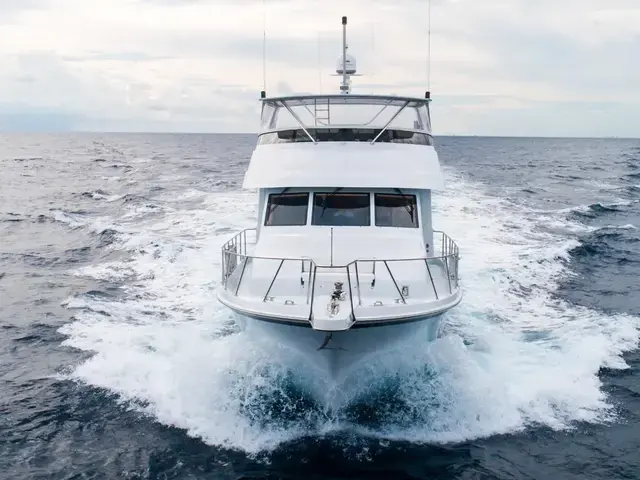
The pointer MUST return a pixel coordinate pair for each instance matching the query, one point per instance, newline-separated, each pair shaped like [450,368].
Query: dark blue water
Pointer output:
[117,361]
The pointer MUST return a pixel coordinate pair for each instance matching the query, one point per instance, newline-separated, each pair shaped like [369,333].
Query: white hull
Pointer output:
[336,352]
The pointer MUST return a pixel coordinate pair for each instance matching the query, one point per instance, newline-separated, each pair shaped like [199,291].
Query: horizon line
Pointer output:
[145,132]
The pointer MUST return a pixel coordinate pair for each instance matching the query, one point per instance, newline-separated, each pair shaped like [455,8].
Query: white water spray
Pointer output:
[513,354]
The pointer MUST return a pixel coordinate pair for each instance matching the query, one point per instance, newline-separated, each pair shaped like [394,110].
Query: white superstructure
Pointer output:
[344,258]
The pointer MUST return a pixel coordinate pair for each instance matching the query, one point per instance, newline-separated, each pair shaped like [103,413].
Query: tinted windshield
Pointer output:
[345,135]
[286,209]
[346,110]
[396,210]
[342,209]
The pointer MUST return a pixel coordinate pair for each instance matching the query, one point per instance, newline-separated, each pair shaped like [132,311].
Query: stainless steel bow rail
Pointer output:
[235,255]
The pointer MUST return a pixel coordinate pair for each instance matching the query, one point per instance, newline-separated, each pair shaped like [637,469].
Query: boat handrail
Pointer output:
[342,126]
[235,251]
[447,245]
[354,98]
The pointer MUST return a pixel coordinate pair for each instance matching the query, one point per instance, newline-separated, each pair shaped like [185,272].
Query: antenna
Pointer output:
[429,45]
[319,64]
[264,47]
[373,49]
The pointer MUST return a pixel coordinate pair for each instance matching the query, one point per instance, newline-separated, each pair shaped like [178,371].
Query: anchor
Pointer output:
[337,295]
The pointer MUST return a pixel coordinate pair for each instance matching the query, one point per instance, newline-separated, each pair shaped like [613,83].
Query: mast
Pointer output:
[344,88]
[346,67]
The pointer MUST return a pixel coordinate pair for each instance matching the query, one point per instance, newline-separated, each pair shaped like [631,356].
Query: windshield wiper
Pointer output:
[276,205]
[327,197]
[409,210]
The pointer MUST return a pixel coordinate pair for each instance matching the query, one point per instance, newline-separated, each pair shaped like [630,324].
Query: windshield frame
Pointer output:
[269,211]
[335,195]
[401,195]
[372,210]
[315,111]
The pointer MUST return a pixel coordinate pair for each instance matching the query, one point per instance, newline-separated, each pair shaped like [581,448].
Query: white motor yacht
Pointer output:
[344,260]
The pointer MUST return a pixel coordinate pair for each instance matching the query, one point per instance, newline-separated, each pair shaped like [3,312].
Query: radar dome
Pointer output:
[350,65]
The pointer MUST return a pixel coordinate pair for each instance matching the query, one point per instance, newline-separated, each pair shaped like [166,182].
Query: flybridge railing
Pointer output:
[342,112]
[235,256]
[382,130]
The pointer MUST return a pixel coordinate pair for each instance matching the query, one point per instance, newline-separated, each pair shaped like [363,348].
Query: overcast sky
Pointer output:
[499,67]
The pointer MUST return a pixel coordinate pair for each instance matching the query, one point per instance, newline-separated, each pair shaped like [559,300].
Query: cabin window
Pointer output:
[396,210]
[287,209]
[342,209]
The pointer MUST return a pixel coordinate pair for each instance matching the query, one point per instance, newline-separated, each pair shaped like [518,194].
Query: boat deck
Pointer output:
[334,297]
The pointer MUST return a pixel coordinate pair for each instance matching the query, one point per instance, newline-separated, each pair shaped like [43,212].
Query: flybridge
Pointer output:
[345,117]
[345,140]
[339,117]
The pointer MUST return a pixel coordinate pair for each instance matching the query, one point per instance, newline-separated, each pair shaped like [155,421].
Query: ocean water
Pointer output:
[117,361]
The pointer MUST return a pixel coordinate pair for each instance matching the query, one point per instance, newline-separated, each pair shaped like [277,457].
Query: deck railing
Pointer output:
[235,255]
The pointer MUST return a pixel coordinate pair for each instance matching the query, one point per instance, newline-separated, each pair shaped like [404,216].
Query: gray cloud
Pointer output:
[10,9]
[110,56]
[142,78]
[555,60]
[300,52]
[55,95]
[8,6]
[541,118]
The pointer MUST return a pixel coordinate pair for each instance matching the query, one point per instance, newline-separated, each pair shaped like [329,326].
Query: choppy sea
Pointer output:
[117,361]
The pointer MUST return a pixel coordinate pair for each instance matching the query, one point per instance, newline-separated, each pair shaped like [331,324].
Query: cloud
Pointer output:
[544,68]
[11,8]
[514,117]
[587,55]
